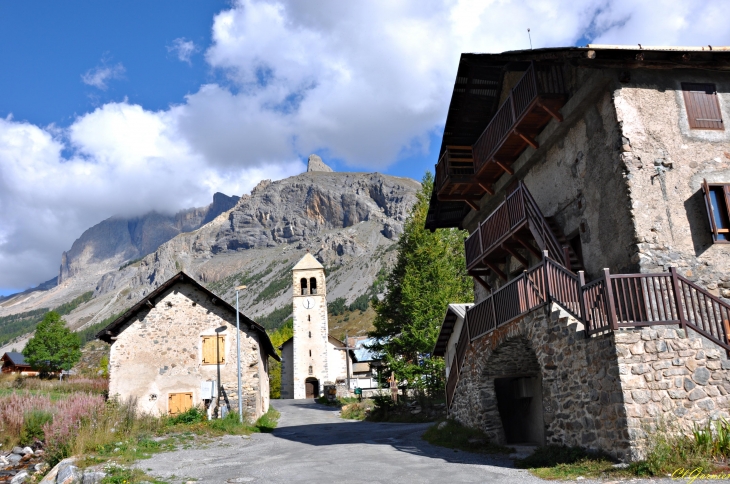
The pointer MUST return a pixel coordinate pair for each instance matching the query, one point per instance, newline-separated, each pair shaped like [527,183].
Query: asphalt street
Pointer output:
[313,445]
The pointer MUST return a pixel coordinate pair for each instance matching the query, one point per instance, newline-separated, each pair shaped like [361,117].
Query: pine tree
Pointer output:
[54,347]
[430,272]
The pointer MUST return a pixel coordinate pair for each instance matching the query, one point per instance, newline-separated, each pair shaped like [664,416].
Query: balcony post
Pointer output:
[548,296]
[678,298]
[582,299]
[609,299]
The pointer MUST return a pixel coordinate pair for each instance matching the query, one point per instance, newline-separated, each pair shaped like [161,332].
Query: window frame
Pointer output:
[714,229]
[695,104]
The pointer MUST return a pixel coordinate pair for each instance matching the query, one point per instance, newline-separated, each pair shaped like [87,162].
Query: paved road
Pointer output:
[313,445]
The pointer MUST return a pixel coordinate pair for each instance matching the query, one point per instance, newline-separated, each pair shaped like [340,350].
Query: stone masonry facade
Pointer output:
[160,352]
[605,392]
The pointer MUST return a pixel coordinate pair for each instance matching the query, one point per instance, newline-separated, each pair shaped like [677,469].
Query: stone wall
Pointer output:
[581,394]
[160,352]
[665,163]
[669,378]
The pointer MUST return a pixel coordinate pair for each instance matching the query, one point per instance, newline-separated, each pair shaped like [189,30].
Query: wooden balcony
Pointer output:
[455,177]
[517,223]
[533,102]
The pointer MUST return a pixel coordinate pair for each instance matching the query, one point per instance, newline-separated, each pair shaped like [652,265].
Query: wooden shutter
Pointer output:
[719,222]
[703,108]
[179,402]
[210,351]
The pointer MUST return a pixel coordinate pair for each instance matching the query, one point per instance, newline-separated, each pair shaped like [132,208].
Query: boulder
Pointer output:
[20,478]
[69,474]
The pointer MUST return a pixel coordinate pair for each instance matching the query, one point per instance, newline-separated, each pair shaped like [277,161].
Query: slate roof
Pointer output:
[15,358]
[307,262]
[453,312]
[119,324]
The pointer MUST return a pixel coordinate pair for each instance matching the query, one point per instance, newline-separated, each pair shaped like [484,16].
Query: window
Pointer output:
[310,334]
[717,201]
[313,285]
[309,318]
[214,353]
[178,403]
[310,352]
[303,283]
[703,108]
[310,370]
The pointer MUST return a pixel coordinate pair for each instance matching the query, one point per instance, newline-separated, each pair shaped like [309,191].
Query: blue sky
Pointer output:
[125,107]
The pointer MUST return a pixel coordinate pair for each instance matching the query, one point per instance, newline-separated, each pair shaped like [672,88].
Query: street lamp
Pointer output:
[238,357]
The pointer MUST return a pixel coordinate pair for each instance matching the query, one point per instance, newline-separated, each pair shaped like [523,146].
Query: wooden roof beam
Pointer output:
[526,138]
[555,114]
[503,166]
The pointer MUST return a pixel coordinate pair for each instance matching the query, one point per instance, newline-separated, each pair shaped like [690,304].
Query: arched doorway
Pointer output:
[311,386]
[513,384]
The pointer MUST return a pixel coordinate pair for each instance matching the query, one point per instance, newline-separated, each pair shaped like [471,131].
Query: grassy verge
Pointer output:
[453,435]
[108,433]
[350,408]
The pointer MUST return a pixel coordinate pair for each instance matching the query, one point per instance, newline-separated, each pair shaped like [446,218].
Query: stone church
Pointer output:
[311,357]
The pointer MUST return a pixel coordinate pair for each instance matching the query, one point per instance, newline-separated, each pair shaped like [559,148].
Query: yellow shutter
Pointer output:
[179,402]
[208,349]
[222,344]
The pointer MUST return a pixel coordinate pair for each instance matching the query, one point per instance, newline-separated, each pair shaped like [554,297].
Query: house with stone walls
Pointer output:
[595,184]
[169,351]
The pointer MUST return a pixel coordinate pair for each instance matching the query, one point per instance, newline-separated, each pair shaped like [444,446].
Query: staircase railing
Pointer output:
[611,302]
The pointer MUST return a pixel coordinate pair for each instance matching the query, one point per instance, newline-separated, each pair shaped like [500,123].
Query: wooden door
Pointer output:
[309,389]
[179,402]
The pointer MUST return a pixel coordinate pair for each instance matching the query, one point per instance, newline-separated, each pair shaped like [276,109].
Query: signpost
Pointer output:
[393,387]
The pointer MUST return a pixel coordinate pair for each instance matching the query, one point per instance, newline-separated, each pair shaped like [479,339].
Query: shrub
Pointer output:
[33,422]
[190,416]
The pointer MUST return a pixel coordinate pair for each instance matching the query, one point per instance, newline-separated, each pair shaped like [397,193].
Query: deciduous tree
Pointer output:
[54,347]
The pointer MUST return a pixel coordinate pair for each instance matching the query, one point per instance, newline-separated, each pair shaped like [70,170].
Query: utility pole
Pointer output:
[238,357]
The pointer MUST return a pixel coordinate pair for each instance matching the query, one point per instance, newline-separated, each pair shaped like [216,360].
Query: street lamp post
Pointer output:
[238,357]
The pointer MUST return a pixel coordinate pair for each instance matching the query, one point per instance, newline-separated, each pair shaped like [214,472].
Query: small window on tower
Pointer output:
[310,334]
[309,318]
[313,285]
[304,286]
[310,352]
[310,370]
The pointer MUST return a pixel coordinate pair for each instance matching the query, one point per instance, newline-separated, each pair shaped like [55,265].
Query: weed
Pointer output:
[268,421]
[33,422]
[453,435]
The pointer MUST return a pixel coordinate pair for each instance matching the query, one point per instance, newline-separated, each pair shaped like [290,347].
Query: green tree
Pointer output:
[54,347]
[430,272]
[278,337]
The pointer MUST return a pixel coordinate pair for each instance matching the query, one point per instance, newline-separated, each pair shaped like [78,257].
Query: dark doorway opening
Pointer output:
[312,387]
[519,400]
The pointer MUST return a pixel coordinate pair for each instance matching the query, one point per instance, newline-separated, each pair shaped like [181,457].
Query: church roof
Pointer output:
[308,262]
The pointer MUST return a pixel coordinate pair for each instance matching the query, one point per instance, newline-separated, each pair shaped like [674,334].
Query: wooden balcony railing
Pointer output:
[516,217]
[614,301]
[455,176]
[534,100]
[458,360]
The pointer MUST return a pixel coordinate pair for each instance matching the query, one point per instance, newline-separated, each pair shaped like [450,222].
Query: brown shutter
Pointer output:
[710,210]
[703,108]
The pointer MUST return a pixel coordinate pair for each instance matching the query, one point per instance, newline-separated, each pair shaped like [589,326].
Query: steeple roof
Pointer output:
[308,262]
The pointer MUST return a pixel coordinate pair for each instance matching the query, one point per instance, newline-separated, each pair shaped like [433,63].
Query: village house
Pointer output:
[168,349]
[14,362]
[595,184]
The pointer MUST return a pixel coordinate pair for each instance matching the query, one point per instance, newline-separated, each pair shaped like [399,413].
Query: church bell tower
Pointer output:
[309,356]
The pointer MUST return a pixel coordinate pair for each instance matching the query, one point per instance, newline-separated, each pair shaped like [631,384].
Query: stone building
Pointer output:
[595,184]
[311,357]
[167,351]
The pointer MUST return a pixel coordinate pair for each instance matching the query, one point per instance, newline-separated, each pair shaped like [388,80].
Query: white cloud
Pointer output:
[183,49]
[100,75]
[126,161]
[359,81]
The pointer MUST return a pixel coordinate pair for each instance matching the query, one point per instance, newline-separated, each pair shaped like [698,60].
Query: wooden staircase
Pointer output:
[575,264]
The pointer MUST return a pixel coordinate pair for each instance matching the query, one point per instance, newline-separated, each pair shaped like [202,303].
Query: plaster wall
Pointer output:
[451,345]
[310,333]
[160,352]
[665,163]
[337,364]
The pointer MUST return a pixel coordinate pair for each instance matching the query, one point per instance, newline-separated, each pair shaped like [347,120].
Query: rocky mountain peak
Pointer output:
[315,163]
